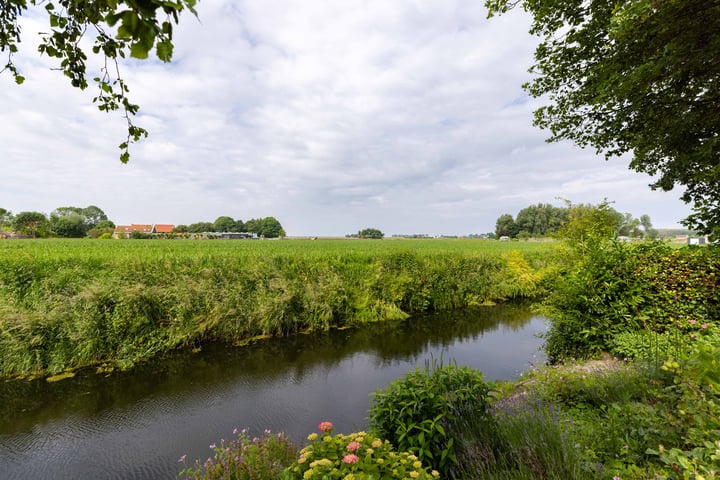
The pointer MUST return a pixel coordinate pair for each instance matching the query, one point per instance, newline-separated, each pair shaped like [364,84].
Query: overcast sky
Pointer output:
[407,116]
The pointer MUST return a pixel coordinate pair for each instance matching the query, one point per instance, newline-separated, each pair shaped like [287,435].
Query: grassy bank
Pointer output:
[66,304]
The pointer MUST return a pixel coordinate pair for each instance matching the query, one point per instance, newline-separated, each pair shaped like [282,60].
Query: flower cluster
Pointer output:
[357,456]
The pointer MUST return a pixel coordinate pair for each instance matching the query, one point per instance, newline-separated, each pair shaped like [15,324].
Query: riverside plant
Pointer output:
[421,411]
[357,456]
[70,304]
[244,458]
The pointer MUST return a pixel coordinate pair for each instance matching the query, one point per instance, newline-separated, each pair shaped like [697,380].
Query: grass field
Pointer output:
[71,303]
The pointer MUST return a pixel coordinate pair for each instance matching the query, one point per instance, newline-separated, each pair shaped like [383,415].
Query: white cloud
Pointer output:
[407,116]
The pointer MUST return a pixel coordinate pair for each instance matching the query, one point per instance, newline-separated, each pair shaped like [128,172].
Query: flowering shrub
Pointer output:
[245,458]
[357,456]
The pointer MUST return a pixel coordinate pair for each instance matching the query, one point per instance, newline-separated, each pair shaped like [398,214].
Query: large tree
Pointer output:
[33,224]
[635,76]
[119,28]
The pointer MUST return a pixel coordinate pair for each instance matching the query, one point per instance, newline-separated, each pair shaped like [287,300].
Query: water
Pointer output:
[135,425]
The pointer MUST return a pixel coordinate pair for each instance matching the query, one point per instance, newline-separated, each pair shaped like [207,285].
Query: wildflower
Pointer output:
[312,437]
[435,473]
[692,322]
[352,446]
[212,446]
[308,474]
[350,458]
[417,464]
[377,443]
[325,427]
[704,326]
[414,474]
[182,459]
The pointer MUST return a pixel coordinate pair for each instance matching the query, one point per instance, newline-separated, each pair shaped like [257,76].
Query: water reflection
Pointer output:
[136,424]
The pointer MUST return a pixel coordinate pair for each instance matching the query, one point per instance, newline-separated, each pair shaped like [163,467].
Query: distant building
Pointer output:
[124,231]
[697,240]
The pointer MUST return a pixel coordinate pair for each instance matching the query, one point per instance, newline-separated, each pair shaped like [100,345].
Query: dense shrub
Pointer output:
[420,411]
[609,288]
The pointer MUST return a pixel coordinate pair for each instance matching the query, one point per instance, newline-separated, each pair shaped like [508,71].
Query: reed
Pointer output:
[66,304]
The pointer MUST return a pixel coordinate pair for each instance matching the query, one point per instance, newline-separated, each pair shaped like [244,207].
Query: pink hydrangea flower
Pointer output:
[350,458]
[352,446]
[325,426]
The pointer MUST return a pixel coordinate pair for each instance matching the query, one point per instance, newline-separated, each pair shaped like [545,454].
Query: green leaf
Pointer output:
[138,50]
[165,50]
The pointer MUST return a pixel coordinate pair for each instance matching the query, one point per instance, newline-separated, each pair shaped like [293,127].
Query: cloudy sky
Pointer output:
[407,116]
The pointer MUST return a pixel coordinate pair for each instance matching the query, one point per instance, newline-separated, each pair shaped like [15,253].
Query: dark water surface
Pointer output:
[135,425]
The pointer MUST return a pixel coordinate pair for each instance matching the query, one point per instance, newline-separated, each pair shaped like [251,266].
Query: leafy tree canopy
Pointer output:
[33,224]
[6,217]
[119,28]
[373,233]
[639,77]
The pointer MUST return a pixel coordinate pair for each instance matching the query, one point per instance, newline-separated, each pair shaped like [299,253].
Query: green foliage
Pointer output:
[122,28]
[639,77]
[533,440]
[68,304]
[609,287]
[696,414]
[245,458]
[357,456]
[420,411]
[590,223]
[33,224]
[371,233]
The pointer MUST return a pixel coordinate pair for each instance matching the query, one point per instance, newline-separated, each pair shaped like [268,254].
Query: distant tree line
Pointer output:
[545,220]
[66,222]
[91,221]
[268,227]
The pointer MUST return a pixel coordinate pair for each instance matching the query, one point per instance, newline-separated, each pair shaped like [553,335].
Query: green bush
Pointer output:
[608,288]
[420,411]
[357,456]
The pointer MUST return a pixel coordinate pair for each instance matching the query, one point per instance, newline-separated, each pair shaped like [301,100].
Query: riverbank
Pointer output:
[71,304]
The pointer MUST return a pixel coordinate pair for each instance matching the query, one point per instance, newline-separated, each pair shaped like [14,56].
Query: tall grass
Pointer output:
[66,304]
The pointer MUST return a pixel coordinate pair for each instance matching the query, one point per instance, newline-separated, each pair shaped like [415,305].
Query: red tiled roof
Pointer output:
[161,228]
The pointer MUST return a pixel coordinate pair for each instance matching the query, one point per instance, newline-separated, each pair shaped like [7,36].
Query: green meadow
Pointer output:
[66,304]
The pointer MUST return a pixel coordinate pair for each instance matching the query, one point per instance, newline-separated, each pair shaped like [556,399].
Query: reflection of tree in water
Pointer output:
[183,374]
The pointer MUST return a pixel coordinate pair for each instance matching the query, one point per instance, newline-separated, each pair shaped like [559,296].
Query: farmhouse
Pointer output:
[124,231]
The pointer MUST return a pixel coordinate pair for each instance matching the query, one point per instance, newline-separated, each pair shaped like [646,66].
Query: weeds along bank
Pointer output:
[66,304]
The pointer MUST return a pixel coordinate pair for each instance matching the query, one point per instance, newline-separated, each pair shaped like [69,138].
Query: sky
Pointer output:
[406,116]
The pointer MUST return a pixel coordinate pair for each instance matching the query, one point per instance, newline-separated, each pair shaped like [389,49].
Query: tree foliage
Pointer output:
[639,77]
[119,28]
[33,224]
[373,233]
[268,227]
[6,217]
[76,222]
